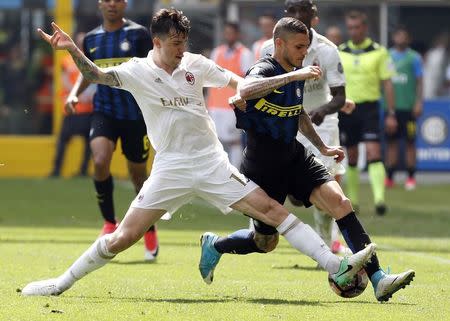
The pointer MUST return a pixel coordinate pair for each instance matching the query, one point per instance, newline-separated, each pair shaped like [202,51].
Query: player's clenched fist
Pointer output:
[309,72]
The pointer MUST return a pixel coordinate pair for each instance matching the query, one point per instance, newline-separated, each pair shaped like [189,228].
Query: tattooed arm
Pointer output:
[252,88]
[61,41]
[306,128]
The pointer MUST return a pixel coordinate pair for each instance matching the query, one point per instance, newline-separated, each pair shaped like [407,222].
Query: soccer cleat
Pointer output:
[388,284]
[352,264]
[410,184]
[42,288]
[108,228]
[389,183]
[209,257]
[380,209]
[151,245]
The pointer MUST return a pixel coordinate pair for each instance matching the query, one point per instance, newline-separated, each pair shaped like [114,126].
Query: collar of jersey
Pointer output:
[366,43]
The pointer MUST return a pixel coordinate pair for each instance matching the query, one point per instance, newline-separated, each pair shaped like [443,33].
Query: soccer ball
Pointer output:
[354,288]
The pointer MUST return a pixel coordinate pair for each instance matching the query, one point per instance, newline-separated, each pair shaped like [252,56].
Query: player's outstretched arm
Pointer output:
[60,40]
[252,88]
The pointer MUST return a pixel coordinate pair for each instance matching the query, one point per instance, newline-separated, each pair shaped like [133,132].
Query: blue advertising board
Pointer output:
[433,139]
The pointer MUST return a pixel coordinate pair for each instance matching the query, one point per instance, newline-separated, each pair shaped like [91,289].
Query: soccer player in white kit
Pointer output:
[189,160]
[323,97]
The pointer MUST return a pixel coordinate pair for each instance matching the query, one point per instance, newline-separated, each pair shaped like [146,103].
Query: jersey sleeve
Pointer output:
[262,69]
[334,72]
[386,67]
[143,43]
[126,74]
[213,74]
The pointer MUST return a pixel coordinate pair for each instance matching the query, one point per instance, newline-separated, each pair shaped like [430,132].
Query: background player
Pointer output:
[367,65]
[408,91]
[116,113]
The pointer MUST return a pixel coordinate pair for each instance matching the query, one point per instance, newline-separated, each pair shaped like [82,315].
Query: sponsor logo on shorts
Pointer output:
[340,68]
[140,197]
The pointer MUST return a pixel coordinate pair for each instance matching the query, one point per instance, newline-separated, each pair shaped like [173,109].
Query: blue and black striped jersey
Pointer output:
[108,49]
[275,115]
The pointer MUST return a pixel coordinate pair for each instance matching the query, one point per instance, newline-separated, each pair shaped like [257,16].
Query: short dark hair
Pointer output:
[303,4]
[233,25]
[288,25]
[401,28]
[166,20]
[356,14]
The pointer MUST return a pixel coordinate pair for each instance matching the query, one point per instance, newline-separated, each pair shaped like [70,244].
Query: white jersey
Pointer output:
[173,106]
[323,53]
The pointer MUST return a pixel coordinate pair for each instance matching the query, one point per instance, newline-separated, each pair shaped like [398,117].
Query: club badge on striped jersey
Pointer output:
[125,45]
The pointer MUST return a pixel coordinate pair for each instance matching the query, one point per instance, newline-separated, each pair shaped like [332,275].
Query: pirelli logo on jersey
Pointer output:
[110,62]
[275,110]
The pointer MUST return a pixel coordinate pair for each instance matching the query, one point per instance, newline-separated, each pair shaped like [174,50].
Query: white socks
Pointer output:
[95,257]
[303,238]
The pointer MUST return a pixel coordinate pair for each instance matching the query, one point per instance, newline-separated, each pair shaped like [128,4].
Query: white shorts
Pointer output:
[329,133]
[225,122]
[176,182]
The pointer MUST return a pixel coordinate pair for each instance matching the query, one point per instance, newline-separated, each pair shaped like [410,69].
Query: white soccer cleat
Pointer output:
[391,283]
[352,264]
[42,288]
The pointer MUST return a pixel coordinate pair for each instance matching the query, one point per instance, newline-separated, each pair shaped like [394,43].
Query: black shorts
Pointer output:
[297,176]
[363,125]
[132,134]
[76,125]
[406,127]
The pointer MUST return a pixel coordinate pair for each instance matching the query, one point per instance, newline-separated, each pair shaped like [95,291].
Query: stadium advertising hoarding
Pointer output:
[433,137]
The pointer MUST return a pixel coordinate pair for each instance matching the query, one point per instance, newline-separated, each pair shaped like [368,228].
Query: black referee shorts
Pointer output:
[362,125]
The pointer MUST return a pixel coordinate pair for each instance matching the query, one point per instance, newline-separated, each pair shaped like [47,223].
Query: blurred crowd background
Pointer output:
[34,81]
[26,63]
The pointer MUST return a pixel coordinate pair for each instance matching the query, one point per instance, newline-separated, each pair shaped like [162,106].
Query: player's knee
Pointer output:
[266,243]
[100,160]
[121,240]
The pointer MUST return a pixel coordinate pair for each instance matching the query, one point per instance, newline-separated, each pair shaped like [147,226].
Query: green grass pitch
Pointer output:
[46,224]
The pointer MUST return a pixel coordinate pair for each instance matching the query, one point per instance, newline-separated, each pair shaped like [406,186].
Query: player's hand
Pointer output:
[59,40]
[348,107]
[238,102]
[390,124]
[70,104]
[417,110]
[337,152]
[309,72]
[317,116]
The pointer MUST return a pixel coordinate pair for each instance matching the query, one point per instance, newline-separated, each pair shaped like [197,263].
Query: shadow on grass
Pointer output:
[297,267]
[227,299]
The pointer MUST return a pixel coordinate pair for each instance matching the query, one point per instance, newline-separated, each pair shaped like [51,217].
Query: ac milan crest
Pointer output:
[190,78]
